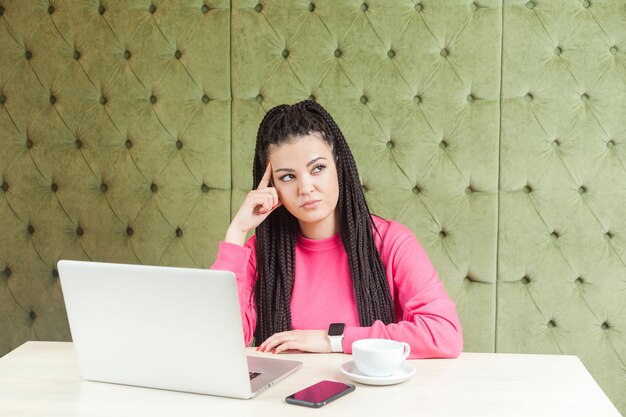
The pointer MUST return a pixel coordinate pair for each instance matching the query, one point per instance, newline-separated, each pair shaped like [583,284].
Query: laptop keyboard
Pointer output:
[254,375]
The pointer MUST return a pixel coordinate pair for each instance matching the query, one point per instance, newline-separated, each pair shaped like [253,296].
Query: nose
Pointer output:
[305,186]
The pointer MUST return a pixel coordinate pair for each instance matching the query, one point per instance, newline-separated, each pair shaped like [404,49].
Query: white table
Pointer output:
[42,379]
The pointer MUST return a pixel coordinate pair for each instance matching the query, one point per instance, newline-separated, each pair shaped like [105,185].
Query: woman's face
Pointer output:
[304,174]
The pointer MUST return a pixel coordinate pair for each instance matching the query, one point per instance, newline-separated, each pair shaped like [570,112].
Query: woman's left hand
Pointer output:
[305,340]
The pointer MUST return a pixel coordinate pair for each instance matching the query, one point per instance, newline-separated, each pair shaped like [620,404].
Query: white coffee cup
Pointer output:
[379,357]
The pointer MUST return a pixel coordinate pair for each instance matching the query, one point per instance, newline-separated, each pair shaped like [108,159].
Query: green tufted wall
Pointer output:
[495,130]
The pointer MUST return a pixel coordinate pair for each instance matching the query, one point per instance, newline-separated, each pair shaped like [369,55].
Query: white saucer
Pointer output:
[405,372]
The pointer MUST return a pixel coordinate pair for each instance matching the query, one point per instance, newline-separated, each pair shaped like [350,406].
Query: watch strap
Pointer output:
[335,343]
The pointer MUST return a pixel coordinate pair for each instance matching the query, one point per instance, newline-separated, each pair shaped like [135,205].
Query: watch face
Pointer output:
[336,329]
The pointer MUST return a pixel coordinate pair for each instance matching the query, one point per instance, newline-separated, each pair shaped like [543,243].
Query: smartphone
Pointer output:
[320,394]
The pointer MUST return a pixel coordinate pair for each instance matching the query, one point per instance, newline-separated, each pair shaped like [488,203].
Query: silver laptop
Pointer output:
[161,327]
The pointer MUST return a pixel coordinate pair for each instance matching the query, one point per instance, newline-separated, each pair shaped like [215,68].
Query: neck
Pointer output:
[321,230]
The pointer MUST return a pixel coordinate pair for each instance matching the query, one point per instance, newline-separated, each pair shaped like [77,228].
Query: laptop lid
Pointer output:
[160,327]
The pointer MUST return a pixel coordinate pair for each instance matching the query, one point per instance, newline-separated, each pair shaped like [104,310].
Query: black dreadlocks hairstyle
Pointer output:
[276,236]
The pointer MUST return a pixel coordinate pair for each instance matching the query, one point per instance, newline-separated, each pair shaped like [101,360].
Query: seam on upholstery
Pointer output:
[498,192]
[230,79]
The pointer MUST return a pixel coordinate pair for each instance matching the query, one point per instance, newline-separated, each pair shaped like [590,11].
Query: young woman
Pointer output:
[321,271]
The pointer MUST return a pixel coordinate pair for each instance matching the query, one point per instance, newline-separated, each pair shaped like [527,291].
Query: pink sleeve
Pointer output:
[241,261]
[426,317]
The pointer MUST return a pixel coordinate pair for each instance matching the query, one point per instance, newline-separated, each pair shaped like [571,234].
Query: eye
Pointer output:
[319,168]
[287,177]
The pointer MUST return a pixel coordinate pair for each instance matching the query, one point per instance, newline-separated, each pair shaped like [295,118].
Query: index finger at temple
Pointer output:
[265,181]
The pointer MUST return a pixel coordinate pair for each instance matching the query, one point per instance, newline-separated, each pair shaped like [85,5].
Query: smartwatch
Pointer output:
[335,336]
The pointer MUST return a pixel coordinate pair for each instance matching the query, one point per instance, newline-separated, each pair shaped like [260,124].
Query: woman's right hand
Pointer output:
[257,205]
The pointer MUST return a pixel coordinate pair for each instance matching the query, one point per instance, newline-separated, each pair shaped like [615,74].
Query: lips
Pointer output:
[310,204]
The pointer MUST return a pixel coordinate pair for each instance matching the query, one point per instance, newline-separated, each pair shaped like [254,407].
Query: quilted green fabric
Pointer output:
[494,129]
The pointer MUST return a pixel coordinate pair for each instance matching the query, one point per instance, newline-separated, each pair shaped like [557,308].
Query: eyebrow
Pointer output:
[311,162]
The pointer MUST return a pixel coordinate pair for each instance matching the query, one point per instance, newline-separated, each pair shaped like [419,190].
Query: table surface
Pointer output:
[42,379]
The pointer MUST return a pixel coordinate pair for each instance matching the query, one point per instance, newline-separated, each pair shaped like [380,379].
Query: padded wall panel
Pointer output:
[114,121]
[415,89]
[562,250]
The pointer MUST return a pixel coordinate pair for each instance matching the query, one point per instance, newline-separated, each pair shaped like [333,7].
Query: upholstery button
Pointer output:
[3,99]
[364,7]
[417,99]
[613,50]
[1,10]
[391,53]
[104,187]
[416,190]
[311,7]
[204,188]
[55,273]
[527,189]
[364,188]
[468,279]
[529,97]
[258,8]
[469,189]
[556,143]
[259,98]
[530,4]
[103,100]
[419,7]
[178,54]
[50,9]
[205,9]
[337,53]
[54,187]
[32,314]
[443,234]
[5,186]
[608,236]
[79,231]
[605,326]
[129,143]
[558,50]
[153,99]
[285,53]
[554,235]
[76,55]
[101,9]
[584,97]
[552,324]
[129,231]
[152,8]
[586,4]
[311,97]
[127,55]
[29,143]
[443,144]
[7,272]
[390,145]
[31,229]
[525,280]
[582,189]
[471,98]
[363,99]
[53,99]
[154,188]
[179,144]
[179,232]
[610,144]
[473,7]
[28,55]
[579,281]
[78,143]
[444,52]
[205,99]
